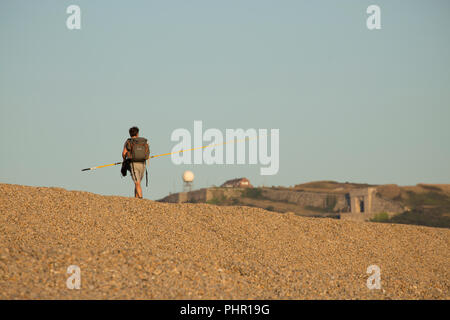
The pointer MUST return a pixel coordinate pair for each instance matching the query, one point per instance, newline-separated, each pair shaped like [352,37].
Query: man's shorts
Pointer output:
[137,171]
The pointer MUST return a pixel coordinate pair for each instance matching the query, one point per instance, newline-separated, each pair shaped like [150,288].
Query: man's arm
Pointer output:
[124,153]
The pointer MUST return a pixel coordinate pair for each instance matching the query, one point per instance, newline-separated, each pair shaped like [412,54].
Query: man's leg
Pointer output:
[137,183]
[137,171]
[138,190]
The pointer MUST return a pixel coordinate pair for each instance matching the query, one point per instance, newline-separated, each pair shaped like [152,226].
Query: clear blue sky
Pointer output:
[351,104]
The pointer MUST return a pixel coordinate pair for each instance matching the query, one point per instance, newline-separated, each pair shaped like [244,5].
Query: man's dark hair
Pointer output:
[134,131]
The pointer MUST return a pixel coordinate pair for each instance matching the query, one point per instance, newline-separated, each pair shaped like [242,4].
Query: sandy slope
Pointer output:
[129,248]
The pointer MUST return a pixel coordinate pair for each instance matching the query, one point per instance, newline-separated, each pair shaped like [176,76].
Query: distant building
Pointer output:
[237,183]
[364,204]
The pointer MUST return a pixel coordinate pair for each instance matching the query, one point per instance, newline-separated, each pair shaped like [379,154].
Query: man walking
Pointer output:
[136,151]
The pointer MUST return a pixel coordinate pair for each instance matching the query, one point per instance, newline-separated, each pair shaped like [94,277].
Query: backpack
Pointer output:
[138,149]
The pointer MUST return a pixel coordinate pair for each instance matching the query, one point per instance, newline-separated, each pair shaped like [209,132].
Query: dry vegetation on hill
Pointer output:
[130,248]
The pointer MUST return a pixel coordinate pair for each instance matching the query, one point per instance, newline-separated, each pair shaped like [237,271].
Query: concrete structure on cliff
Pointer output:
[360,204]
[365,204]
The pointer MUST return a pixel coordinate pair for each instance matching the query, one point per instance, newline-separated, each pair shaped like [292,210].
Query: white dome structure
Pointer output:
[188,176]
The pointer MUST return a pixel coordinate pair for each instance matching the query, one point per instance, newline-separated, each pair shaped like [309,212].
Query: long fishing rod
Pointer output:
[166,154]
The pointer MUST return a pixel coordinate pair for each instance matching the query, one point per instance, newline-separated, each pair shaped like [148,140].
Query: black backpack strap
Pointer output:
[146,177]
